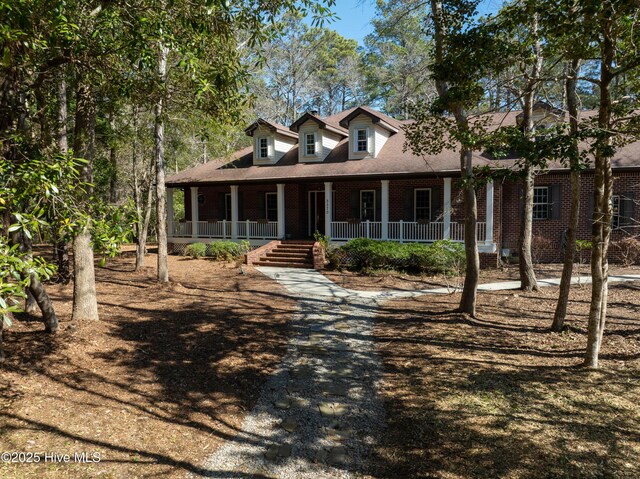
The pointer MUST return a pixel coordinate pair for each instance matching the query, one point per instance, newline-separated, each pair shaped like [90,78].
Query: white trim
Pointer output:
[374,203]
[384,214]
[306,144]
[415,207]
[259,148]
[489,213]
[446,210]
[195,211]
[356,140]
[234,211]
[281,211]
[547,204]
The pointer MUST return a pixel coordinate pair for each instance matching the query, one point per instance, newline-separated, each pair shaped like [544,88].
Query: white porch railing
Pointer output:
[222,229]
[345,230]
[409,231]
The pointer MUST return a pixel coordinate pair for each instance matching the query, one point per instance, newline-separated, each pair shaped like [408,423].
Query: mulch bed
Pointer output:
[164,378]
[503,397]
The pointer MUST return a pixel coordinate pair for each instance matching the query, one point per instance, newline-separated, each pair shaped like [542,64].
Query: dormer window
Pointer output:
[263,148]
[362,140]
[310,144]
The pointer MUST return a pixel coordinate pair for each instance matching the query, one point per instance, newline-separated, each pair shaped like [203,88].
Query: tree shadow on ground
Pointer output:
[176,367]
[504,399]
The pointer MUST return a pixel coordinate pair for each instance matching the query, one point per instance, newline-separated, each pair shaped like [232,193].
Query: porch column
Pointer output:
[489,215]
[170,214]
[234,212]
[328,208]
[195,215]
[446,210]
[281,232]
[384,214]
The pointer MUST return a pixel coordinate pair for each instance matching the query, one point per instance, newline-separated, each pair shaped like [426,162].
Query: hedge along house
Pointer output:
[348,176]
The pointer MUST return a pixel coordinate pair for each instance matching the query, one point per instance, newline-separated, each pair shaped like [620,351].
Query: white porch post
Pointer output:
[446,210]
[328,208]
[281,212]
[234,212]
[489,216]
[195,214]
[384,215]
[170,213]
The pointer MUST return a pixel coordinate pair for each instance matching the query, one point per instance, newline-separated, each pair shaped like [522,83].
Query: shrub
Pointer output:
[195,250]
[629,250]
[226,250]
[441,257]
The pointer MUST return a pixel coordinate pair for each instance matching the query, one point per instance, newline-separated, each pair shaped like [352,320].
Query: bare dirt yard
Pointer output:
[163,378]
[500,396]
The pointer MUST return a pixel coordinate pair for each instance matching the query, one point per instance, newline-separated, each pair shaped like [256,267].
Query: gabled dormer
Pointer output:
[270,141]
[368,130]
[317,137]
[543,115]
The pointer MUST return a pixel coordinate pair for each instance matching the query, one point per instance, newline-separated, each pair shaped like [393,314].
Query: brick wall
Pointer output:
[548,233]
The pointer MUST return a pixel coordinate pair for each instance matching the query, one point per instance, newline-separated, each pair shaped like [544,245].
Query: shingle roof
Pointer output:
[392,161]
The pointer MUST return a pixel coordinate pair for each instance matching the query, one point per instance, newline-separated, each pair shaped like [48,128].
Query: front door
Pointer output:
[316,212]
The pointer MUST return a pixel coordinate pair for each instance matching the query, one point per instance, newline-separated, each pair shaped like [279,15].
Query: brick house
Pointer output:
[347,176]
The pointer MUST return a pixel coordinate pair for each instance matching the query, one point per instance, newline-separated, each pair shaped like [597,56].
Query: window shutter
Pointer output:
[241,215]
[556,202]
[262,207]
[378,204]
[627,203]
[436,208]
[520,199]
[355,203]
[221,210]
[589,210]
[409,213]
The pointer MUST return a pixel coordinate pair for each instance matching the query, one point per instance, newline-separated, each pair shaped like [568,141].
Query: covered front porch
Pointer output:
[340,210]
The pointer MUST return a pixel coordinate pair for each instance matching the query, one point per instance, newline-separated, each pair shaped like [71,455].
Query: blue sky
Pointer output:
[355,16]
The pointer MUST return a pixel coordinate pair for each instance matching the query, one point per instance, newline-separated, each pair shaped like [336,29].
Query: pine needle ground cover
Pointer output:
[165,377]
[500,396]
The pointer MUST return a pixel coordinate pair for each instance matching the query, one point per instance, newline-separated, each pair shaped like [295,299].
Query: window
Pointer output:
[541,203]
[422,204]
[271,206]
[310,144]
[263,148]
[368,205]
[227,206]
[362,140]
[616,213]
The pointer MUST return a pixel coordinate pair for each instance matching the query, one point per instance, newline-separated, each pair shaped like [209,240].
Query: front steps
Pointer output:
[289,254]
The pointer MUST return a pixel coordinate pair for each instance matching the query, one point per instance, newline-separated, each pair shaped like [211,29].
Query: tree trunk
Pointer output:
[113,163]
[472,272]
[61,245]
[603,185]
[574,213]
[85,302]
[142,243]
[528,280]
[85,305]
[43,301]
[163,268]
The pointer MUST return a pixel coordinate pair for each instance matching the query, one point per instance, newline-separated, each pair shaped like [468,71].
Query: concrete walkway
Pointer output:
[320,415]
[309,282]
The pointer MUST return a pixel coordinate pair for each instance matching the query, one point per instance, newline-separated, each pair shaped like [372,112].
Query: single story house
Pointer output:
[348,176]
